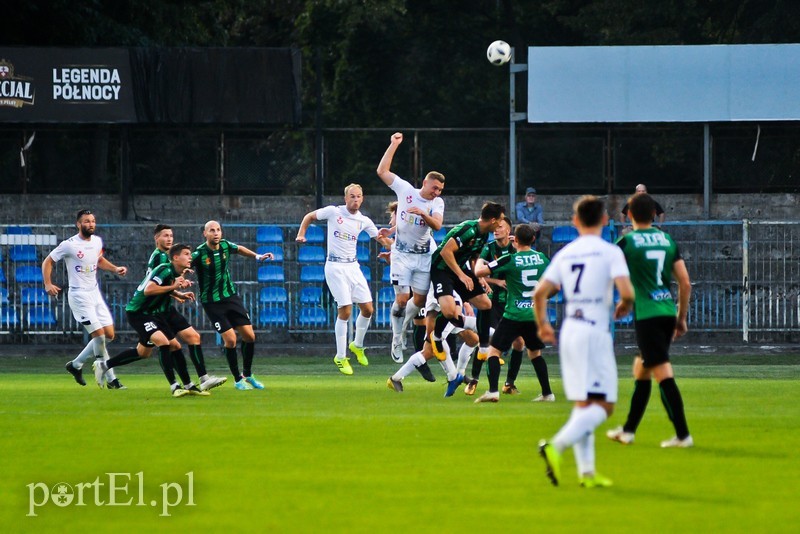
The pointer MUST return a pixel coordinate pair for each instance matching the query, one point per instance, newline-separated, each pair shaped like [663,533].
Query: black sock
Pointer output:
[458,321]
[123,358]
[673,402]
[167,363]
[451,342]
[639,400]
[179,361]
[514,363]
[477,366]
[230,355]
[196,354]
[494,374]
[484,321]
[540,366]
[438,328]
[248,351]
[419,336]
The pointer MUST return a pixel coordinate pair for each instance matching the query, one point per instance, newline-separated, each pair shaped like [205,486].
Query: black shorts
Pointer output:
[498,308]
[147,325]
[445,282]
[654,336]
[176,321]
[508,330]
[227,314]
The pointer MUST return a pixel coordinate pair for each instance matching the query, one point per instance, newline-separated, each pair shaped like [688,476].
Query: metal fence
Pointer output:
[745,279]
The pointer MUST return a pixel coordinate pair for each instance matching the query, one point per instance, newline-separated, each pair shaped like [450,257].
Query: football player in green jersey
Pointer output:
[221,301]
[654,261]
[521,271]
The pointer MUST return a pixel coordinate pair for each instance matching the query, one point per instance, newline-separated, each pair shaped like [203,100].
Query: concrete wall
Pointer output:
[176,209]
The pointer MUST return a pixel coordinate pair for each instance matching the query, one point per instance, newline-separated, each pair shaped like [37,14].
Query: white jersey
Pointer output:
[585,269]
[343,230]
[413,233]
[81,257]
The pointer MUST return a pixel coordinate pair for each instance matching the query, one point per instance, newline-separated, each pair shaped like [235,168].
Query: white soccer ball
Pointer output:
[498,53]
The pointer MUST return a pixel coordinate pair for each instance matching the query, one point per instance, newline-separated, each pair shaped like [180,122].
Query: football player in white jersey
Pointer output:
[342,272]
[586,271]
[419,213]
[83,255]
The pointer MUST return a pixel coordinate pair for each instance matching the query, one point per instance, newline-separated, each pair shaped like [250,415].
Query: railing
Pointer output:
[745,280]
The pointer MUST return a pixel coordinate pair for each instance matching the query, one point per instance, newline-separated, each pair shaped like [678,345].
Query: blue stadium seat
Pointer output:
[273,295]
[313,316]
[34,295]
[3,296]
[8,317]
[311,254]
[387,275]
[439,235]
[557,298]
[386,295]
[2,276]
[312,274]
[311,295]
[367,273]
[41,316]
[269,234]
[276,251]
[19,230]
[271,273]
[608,234]
[19,253]
[382,316]
[362,254]
[564,234]
[28,274]
[552,315]
[364,237]
[273,316]
[315,234]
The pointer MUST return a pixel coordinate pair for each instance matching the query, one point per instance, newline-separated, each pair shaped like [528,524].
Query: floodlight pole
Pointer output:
[514,116]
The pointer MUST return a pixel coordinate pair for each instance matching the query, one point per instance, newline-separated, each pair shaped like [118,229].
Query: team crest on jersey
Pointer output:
[409,198]
[208,261]
[339,219]
[80,254]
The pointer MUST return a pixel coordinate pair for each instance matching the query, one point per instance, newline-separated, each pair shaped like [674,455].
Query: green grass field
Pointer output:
[318,451]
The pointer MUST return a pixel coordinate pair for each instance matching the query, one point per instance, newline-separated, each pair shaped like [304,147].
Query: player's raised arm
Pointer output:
[309,217]
[384,167]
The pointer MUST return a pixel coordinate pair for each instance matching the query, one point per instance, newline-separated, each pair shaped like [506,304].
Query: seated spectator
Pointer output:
[529,211]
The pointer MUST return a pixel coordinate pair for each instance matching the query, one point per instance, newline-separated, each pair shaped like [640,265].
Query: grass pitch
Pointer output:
[319,451]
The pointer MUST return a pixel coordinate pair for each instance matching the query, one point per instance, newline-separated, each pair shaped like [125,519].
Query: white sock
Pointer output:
[411,311]
[470,323]
[110,376]
[396,317]
[584,454]
[340,331]
[449,367]
[362,324]
[464,354]
[410,366]
[86,354]
[582,421]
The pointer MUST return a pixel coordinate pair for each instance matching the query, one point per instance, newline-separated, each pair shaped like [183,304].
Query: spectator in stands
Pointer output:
[529,211]
[660,215]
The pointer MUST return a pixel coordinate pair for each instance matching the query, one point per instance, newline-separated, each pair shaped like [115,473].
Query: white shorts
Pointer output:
[412,270]
[587,362]
[89,309]
[347,283]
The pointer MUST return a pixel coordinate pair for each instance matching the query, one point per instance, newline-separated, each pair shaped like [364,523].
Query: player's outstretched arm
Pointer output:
[384,167]
[106,265]
[246,252]
[309,217]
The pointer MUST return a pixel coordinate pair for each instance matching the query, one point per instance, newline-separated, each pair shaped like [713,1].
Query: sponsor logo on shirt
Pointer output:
[344,236]
[85,269]
[410,218]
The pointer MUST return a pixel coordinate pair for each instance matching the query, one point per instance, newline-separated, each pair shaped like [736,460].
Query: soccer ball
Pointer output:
[498,53]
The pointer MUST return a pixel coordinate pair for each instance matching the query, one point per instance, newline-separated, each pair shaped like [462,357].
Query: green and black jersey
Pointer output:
[493,251]
[650,255]
[158,257]
[211,266]
[163,275]
[521,271]
[470,242]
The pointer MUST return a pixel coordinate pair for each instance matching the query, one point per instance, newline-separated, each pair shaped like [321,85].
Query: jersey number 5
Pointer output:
[530,278]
